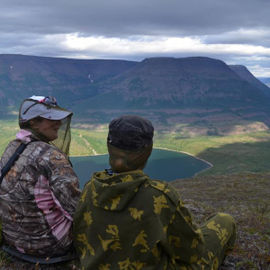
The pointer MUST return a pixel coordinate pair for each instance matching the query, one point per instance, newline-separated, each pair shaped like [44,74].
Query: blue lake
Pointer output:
[162,164]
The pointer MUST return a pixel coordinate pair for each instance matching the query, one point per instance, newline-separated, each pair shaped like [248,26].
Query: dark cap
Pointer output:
[130,132]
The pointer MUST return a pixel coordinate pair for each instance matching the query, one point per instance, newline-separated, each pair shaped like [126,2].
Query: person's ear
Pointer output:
[32,123]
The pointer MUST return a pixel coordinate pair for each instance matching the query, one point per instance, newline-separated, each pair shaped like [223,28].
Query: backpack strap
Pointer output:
[12,160]
[71,255]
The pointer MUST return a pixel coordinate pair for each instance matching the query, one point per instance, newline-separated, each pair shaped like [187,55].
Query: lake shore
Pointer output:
[161,148]
[203,160]
[96,155]
[165,164]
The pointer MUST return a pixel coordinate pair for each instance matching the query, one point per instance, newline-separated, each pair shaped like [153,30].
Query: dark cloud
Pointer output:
[122,17]
[38,27]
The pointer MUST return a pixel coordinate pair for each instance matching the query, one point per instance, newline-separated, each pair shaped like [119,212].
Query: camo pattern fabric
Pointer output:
[127,221]
[38,197]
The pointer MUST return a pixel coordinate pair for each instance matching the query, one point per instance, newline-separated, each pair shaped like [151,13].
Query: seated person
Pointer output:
[124,220]
[40,191]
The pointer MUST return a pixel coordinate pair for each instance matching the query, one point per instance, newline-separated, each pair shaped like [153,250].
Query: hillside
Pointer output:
[185,82]
[70,80]
[216,112]
[245,196]
[244,73]
[265,80]
[170,88]
[169,91]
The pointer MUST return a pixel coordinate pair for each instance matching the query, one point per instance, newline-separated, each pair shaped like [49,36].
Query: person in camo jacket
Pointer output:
[126,221]
[39,194]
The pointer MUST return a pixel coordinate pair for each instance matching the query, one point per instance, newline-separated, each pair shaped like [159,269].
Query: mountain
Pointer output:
[265,80]
[68,79]
[200,90]
[178,83]
[167,90]
[244,73]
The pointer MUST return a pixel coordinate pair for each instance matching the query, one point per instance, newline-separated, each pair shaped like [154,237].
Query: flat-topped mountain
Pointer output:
[246,75]
[154,84]
[265,80]
[184,82]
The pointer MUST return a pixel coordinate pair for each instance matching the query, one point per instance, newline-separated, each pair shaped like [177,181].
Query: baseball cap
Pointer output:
[130,132]
[45,107]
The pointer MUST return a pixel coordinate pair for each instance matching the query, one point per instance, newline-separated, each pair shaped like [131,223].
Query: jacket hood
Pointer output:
[113,192]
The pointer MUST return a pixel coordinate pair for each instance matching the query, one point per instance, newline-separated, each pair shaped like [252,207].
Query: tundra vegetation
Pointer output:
[238,183]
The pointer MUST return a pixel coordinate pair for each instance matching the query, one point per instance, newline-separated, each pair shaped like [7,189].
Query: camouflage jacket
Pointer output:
[127,221]
[38,197]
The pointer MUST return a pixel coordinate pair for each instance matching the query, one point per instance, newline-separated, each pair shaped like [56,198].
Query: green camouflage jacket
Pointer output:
[127,221]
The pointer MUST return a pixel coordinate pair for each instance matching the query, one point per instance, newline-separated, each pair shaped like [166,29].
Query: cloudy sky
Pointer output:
[235,31]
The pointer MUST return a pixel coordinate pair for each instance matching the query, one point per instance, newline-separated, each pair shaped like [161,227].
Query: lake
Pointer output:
[162,164]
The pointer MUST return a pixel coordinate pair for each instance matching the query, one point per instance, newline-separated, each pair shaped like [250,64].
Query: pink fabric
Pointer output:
[24,135]
[58,219]
[20,249]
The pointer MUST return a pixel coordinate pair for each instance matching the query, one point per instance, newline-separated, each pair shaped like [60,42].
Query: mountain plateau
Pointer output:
[199,91]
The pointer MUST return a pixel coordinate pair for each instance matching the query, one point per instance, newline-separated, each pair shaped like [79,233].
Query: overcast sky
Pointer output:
[235,31]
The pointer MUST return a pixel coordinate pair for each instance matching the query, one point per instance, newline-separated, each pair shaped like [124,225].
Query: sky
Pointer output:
[234,31]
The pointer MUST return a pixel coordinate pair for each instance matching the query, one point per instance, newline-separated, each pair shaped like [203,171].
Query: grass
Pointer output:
[88,142]
[246,197]
[84,142]
[8,130]
[197,145]
[229,154]
[237,184]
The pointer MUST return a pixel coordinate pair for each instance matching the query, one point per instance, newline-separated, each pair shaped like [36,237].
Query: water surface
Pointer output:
[162,164]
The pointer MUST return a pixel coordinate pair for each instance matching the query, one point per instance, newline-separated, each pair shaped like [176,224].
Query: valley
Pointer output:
[202,106]
[247,150]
